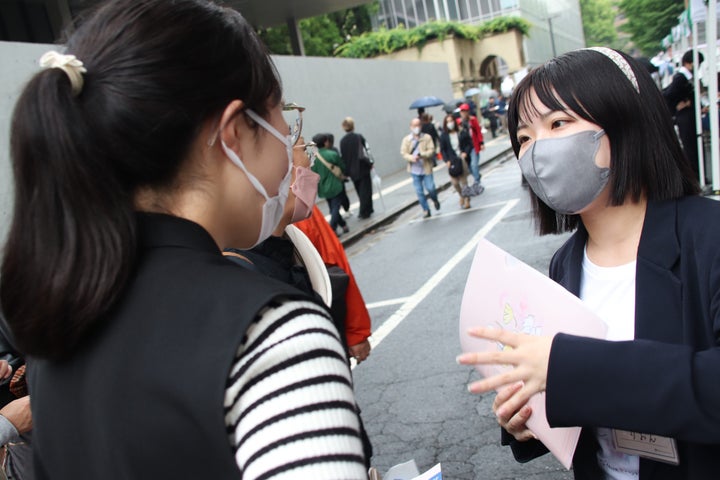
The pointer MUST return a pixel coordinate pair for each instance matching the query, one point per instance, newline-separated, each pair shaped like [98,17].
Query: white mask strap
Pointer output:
[258,119]
[236,160]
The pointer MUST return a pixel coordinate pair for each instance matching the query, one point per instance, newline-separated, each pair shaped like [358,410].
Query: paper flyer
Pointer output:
[503,292]
[409,471]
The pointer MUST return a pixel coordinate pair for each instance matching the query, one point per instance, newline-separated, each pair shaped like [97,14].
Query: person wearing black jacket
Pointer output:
[353,149]
[455,147]
[680,98]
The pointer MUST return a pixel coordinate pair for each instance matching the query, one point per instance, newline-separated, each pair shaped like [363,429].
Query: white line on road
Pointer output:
[414,300]
[387,303]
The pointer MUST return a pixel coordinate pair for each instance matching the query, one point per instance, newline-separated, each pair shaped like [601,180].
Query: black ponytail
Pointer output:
[69,250]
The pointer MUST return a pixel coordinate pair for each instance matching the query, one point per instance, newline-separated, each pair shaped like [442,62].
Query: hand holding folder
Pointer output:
[509,315]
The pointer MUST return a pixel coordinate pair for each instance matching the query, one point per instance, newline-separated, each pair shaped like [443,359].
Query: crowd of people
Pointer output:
[168,275]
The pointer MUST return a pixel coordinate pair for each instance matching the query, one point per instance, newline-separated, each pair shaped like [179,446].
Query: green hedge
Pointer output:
[385,41]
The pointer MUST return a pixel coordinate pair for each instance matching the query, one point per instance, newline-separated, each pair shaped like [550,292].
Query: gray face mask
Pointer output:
[562,171]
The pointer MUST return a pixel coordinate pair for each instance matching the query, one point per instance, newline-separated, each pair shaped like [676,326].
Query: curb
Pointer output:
[354,236]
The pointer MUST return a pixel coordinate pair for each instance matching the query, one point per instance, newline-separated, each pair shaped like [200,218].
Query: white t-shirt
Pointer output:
[610,293]
[454,142]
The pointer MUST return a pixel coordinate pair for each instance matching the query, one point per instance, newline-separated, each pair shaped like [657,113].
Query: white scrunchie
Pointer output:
[67,63]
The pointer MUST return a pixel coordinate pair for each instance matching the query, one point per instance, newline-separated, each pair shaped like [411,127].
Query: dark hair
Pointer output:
[320,139]
[688,57]
[646,157]
[330,138]
[444,124]
[157,71]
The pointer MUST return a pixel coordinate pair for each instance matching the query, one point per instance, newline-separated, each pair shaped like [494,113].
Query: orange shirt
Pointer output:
[318,230]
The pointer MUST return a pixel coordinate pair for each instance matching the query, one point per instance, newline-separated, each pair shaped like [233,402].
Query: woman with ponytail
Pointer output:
[155,141]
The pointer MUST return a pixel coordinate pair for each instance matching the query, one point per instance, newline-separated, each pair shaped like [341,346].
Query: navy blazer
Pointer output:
[666,381]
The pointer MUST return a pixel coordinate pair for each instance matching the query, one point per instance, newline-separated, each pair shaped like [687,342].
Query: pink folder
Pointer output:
[503,292]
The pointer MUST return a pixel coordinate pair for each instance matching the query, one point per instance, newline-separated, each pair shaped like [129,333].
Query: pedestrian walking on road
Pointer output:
[597,146]
[471,124]
[418,151]
[490,111]
[355,153]
[345,203]
[155,142]
[428,127]
[455,147]
[330,167]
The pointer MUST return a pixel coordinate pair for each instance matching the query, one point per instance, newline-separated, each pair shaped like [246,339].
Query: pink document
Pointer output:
[503,292]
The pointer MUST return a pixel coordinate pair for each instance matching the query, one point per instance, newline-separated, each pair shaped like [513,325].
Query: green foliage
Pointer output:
[325,36]
[276,39]
[386,41]
[322,34]
[649,21]
[598,18]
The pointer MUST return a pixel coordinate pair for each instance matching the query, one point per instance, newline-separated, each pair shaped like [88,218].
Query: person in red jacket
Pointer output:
[471,123]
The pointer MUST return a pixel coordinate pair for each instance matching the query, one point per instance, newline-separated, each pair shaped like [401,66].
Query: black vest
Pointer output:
[143,396]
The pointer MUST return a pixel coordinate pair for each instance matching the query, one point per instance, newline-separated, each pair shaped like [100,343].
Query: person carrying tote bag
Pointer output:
[330,168]
[455,147]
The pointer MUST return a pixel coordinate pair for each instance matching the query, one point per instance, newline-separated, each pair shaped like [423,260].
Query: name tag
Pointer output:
[645,445]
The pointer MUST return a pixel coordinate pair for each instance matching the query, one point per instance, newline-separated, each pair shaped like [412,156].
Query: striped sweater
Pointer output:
[289,404]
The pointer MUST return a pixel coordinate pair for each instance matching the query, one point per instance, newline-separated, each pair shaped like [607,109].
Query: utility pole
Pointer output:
[552,36]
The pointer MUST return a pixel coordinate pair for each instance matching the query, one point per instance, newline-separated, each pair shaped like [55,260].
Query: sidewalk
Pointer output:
[398,194]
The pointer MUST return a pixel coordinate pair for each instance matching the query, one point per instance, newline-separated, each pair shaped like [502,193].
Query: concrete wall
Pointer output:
[376,93]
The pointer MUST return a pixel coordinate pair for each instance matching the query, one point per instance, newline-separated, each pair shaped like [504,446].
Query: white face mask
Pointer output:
[416,130]
[274,206]
[450,125]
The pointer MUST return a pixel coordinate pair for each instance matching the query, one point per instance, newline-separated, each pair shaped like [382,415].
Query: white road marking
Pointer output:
[414,300]
[387,303]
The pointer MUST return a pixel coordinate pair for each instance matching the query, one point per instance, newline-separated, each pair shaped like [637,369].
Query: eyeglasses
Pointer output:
[292,113]
[311,150]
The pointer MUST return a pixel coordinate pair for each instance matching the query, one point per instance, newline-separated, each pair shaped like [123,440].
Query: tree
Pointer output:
[321,36]
[598,18]
[649,21]
[324,33]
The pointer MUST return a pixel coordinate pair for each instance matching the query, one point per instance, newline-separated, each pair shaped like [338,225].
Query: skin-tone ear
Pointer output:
[229,132]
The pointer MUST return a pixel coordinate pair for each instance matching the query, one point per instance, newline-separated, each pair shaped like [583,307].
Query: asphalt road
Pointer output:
[412,273]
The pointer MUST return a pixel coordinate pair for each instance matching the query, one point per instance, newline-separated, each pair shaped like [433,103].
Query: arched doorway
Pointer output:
[493,69]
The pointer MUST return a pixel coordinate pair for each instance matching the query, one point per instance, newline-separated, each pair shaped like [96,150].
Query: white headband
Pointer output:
[621,63]
[68,64]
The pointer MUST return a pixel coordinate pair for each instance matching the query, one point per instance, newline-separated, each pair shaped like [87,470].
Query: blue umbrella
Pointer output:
[424,102]
[472,91]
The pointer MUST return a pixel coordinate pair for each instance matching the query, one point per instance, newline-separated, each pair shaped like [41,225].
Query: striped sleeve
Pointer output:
[289,404]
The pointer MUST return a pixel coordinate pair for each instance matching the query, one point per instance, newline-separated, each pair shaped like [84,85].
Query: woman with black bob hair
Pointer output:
[155,142]
[595,142]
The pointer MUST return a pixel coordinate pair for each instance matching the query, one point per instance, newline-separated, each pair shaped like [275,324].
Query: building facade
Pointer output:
[557,24]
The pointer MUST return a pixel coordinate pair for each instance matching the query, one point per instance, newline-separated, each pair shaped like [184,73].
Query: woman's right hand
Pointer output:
[516,423]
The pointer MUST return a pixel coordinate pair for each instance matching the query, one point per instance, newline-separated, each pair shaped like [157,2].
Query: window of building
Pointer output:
[452,9]
[474,9]
[432,14]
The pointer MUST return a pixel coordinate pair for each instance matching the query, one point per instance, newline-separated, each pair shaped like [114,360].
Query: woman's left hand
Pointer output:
[529,355]
[360,351]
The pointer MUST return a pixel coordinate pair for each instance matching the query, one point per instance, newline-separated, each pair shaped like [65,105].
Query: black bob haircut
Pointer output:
[645,154]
